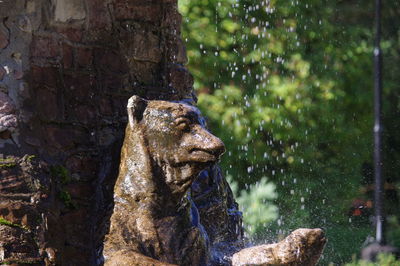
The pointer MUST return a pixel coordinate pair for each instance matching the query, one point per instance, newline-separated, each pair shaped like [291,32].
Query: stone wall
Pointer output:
[67,68]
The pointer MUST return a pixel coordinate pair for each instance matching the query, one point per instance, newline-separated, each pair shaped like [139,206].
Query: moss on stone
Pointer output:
[65,197]
[61,172]
[7,163]
[9,223]
[22,262]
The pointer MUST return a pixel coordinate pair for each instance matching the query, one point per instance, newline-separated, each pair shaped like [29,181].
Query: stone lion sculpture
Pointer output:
[166,146]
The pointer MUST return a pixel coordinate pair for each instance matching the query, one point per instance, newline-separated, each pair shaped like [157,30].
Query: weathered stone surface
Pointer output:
[132,258]
[99,15]
[137,10]
[47,76]
[23,195]
[76,233]
[84,57]
[303,247]
[4,39]
[82,164]
[68,56]
[45,46]
[6,104]
[47,104]
[79,87]
[105,106]
[141,45]
[164,150]
[180,79]
[213,198]
[8,122]
[16,244]
[108,60]
[70,34]
[65,138]
[81,191]
[82,114]
[2,73]
[19,213]
[67,10]
[8,118]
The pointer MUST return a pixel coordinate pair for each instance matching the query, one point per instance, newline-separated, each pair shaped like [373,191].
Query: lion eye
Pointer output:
[183,124]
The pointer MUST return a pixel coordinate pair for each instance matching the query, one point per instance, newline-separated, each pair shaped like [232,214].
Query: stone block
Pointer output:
[176,51]
[45,47]
[47,76]
[19,213]
[149,11]
[110,61]
[142,46]
[172,18]
[106,137]
[4,39]
[6,104]
[85,165]
[111,83]
[80,191]
[119,105]
[8,122]
[84,114]
[180,79]
[68,56]
[71,34]
[77,255]
[12,183]
[105,107]
[98,15]
[68,10]
[76,227]
[2,73]
[79,87]
[64,138]
[17,243]
[47,104]
[84,57]
[149,74]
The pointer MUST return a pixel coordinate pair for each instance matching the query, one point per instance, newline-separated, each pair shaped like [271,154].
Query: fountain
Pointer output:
[155,220]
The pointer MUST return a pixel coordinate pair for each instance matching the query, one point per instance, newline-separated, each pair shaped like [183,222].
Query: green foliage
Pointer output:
[383,260]
[257,206]
[288,87]
[31,157]
[61,173]
[65,197]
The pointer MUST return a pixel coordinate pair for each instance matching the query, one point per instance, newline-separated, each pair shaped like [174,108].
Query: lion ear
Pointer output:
[136,106]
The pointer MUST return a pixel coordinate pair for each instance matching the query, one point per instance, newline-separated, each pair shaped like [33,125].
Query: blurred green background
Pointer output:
[288,86]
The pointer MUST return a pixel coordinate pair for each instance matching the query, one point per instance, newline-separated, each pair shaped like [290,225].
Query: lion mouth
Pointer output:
[203,156]
[198,158]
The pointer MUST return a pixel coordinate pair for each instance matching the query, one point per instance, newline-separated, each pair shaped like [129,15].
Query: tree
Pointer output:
[288,87]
